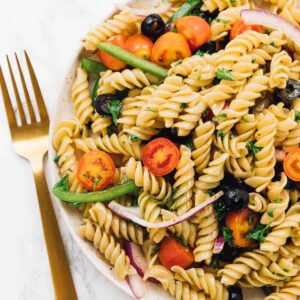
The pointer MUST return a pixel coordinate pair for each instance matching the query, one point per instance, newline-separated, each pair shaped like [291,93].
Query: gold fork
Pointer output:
[30,142]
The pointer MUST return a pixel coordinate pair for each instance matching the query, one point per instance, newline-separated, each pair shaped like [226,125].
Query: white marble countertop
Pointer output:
[50,31]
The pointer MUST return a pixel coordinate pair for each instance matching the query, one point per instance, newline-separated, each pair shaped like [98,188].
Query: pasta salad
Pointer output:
[183,152]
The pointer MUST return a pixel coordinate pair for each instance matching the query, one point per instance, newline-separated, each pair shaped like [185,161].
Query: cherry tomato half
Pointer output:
[170,47]
[160,156]
[172,253]
[109,61]
[195,29]
[241,222]
[291,165]
[96,170]
[139,45]
[240,27]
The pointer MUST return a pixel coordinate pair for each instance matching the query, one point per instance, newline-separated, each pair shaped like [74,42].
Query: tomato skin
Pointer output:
[241,222]
[195,29]
[96,170]
[240,27]
[291,165]
[109,61]
[139,45]
[160,156]
[172,253]
[170,47]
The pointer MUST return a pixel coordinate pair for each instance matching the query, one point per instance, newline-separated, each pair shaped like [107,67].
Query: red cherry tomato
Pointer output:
[241,222]
[240,27]
[195,29]
[170,47]
[139,45]
[109,61]
[160,156]
[172,253]
[96,170]
[291,165]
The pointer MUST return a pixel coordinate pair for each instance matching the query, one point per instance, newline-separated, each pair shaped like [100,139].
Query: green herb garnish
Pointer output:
[270,213]
[133,138]
[155,249]
[259,233]
[114,108]
[56,158]
[223,73]
[220,134]
[220,209]
[227,234]
[252,149]
[297,116]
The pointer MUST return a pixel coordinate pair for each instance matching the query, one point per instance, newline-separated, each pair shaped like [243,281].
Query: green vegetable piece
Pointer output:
[252,148]
[270,213]
[297,116]
[92,66]
[56,158]
[220,134]
[95,88]
[114,108]
[268,289]
[215,264]
[223,73]
[227,234]
[259,233]
[133,60]
[61,191]
[200,53]
[182,241]
[155,249]
[220,209]
[134,138]
[184,10]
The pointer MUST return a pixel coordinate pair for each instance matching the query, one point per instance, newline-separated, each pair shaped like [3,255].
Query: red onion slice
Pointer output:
[137,258]
[137,286]
[125,213]
[266,18]
[219,245]
[144,8]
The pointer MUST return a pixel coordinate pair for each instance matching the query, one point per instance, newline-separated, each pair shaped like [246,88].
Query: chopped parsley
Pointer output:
[227,234]
[223,116]
[182,241]
[134,138]
[223,73]
[114,108]
[200,53]
[155,249]
[245,120]
[233,2]
[211,193]
[268,289]
[221,21]
[189,143]
[133,201]
[270,213]
[277,200]
[259,232]
[220,209]
[215,264]
[178,62]
[56,158]
[215,119]
[182,105]
[220,134]
[252,148]
[297,116]
[149,109]
[272,44]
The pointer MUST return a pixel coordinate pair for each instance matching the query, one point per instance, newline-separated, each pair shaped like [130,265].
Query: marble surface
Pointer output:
[50,31]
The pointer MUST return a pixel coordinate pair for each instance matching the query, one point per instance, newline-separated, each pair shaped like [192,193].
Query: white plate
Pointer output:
[73,218]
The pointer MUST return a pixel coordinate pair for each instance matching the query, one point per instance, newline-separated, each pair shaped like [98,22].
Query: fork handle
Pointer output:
[64,288]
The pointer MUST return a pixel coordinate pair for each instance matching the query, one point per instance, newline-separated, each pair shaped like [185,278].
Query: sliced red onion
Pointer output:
[144,8]
[126,213]
[137,259]
[280,155]
[169,27]
[266,18]
[137,286]
[219,245]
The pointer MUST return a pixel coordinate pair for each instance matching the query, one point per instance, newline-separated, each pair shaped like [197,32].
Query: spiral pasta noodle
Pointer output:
[107,246]
[81,97]
[114,225]
[246,127]
[265,159]
[124,22]
[279,69]
[199,280]
[180,290]
[257,202]
[212,5]
[239,167]
[202,142]
[184,182]
[151,213]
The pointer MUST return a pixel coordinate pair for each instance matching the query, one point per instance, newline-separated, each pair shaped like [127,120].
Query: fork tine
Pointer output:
[17,95]
[28,102]
[37,91]
[7,103]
